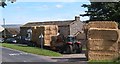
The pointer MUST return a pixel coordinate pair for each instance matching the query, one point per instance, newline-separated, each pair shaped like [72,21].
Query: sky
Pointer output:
[22,12]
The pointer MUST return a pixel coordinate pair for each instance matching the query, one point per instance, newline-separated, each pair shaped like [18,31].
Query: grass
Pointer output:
[33,50]
[83,48]
[103,62]
[117,59]
[100,62]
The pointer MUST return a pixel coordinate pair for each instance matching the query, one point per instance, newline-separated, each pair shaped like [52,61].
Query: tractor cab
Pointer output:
[70,39]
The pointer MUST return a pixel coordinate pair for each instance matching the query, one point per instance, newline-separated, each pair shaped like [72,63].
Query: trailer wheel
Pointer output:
[69,49]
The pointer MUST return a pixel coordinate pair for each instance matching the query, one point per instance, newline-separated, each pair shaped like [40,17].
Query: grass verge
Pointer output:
[33,50]
[102,62]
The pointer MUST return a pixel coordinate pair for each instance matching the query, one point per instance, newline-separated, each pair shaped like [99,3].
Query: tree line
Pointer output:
[103,11]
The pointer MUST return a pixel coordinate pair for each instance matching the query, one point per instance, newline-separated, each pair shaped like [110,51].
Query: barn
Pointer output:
[67,27]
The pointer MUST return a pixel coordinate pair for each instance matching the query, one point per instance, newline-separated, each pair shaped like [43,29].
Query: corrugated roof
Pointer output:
[13,30]
[59,23]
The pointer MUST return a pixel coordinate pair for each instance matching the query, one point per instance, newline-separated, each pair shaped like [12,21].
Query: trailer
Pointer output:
[35,35]
[48,35]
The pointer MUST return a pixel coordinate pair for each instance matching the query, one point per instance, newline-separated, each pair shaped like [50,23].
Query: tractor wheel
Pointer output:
[69,49]
[79,49]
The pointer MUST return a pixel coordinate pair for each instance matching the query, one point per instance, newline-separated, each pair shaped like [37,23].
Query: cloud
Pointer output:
[59,6]
[84,18]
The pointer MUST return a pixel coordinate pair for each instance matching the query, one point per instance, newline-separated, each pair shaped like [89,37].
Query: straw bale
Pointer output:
[104,24]
[47,42]
[54,32]
[102,52]
[46,27]
[102,55]
[103,34]
[102,43]
[47,37]
[53,27]
[106,48]
[47,32]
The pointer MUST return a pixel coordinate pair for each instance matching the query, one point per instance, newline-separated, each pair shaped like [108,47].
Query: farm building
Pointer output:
[67,27]
[11,32]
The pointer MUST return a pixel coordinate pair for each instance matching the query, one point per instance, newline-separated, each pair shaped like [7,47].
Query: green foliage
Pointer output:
[117,60]
[33,50]
[108,11]
[102,62]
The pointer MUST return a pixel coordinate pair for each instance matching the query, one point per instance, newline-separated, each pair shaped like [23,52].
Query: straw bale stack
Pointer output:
[102,41]
[102,55]
[119,42]
[104,45]
[48,31]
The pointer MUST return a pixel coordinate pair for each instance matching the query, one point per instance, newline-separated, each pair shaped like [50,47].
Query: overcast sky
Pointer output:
[22,12]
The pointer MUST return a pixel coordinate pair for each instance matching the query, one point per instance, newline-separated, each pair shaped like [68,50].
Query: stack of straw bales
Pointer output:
[102,41]
[119,42]
[48,31]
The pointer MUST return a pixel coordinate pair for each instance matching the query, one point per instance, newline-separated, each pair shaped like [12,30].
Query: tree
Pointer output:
[3,2]
[103,11]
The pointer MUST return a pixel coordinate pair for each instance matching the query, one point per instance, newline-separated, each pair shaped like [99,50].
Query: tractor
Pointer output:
[67,44]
